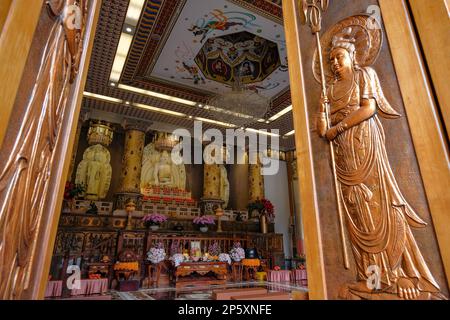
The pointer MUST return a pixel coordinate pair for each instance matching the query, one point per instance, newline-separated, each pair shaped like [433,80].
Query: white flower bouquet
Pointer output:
[225,257]
[237,253]
[177,258]
[156,253]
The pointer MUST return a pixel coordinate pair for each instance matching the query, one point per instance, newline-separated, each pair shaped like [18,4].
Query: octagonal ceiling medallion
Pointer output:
[242,55]
[213,41]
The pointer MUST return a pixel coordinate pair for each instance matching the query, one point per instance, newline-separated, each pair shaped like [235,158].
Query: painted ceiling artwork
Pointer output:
[162,55]
[209,48]
[241,55]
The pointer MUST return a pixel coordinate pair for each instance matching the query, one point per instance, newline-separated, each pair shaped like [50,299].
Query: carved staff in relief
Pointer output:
[312,14]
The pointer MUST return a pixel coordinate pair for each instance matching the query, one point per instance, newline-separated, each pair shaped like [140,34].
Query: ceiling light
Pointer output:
[290,133]
[161,110]
[134,11]
[127,103]
[156,95]
[101,97]
[244,104]
[224,124]
[112,84]
[121,56]
[132,18]
[263,132]
[267,121]
[281,113]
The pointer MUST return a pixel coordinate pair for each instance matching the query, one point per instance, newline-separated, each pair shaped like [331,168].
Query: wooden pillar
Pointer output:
[432,22]
[130,179]
[75,146]
[432,151]
[211,181]
[37,75]
[255,182]
[132,161]
[5,5]
[211,189]
[305,169]
[16,17]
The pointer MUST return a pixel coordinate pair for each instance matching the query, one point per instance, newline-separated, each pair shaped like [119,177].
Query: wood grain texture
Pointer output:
[308,201]
[15,41]
[66,145]
[433,24]
[430,147]
[5,5]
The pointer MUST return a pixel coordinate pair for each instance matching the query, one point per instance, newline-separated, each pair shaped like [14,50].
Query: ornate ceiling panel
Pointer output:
[162,40]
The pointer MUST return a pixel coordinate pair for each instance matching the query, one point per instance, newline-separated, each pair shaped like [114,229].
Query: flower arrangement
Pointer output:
[301,260]
[154,218]
[264,207]
[214,249]
[73,190]
[156,253]
[225,257]
[237,253]
[204,220]
[175,247]
[177,258]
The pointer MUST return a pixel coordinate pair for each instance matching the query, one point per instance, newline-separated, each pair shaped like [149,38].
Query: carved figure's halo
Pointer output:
[368,36]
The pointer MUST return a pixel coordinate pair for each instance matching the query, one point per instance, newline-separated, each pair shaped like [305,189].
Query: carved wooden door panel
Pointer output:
[368,221]
[33,155]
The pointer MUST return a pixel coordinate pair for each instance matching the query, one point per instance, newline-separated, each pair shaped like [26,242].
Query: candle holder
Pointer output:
[219,214]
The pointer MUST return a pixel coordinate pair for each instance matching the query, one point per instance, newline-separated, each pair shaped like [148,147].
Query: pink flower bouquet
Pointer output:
[204,220]
[154,218]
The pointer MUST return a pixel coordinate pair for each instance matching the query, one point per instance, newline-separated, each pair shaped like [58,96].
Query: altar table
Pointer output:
[279,276]
[91,286]
[202,268]
[53,289]
[299,274]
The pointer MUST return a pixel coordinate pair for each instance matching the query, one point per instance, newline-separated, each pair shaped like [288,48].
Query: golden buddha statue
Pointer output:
[158,169]
[163,171]
[94,172]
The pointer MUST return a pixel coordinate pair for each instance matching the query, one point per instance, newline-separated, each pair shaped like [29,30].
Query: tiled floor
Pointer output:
[204,293]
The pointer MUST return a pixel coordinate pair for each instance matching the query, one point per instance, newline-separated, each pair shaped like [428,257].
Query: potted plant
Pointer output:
[154,220]
[72,191]
[203,222]
[266,212]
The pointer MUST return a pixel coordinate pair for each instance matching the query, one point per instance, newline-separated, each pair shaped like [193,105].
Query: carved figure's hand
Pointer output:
[332,133]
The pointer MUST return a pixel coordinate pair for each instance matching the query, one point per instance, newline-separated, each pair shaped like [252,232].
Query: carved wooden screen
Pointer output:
[32,158]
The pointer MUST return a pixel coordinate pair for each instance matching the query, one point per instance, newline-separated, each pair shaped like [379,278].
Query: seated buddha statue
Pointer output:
[163,171]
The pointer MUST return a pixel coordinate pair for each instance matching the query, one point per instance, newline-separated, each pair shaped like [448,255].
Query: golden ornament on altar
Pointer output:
[100,133]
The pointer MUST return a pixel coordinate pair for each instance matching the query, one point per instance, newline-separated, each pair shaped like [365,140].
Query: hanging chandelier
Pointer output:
[241,106]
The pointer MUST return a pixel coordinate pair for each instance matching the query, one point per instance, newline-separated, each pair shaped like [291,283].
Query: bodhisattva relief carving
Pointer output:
[25,175]
[377,217]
